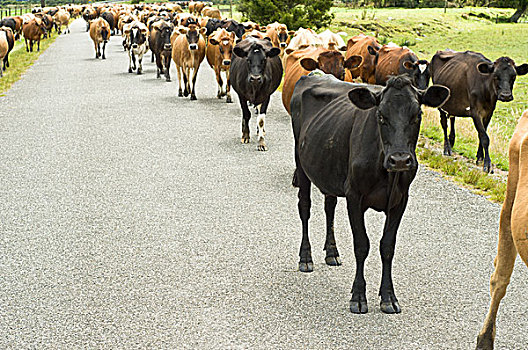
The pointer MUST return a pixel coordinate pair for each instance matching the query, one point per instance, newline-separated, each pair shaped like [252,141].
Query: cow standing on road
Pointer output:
[100,33]
[366,47]
[188,52]
[136,37]
[358,141]
[219,53]
[476,84]
[160,45]
[256,72]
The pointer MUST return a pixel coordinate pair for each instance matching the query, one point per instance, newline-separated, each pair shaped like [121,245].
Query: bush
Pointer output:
[293,13]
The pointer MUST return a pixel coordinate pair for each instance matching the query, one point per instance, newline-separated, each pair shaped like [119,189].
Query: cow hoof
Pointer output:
[333,261]
[447,152]
[229,100]
[390,307]
[185,93]
[484,342]
[479,159]
[180,94]
[262,148]
[130,70]
[193,98]
[244,139]
[487,169]
[306,266]
[359,306]
[139,72]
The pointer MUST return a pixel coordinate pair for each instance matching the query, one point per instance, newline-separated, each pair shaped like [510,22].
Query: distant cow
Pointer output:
[4,47]
[136,34]
[48,22]
[333,41]
[233,26]
[366,47]
[476,84]
[62,18]
[160,45]
[358,141]
[88,15]
[188,52]
[10,44]
[218,53]
[211,12]
[279,35]
[108,16]
[100,33]
[396,60]
[9,22]
[302,39]
[302,62]
[513,227]
[256,72]
[33,31]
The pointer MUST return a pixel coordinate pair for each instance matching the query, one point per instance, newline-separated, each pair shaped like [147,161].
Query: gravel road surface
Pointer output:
[134,219]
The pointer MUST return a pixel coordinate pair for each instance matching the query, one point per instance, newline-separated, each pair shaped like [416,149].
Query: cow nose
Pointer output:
[505,97]
[255,79]
[400,161]
[167,46]
[283,45]
[226,62]
[134,46]
[193,47]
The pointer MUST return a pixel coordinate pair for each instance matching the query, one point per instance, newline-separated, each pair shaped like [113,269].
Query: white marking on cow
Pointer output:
[225,42]
[260,126]
[422,67]
[468,108]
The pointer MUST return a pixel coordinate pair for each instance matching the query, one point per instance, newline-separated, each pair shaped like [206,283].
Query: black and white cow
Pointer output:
[136,34]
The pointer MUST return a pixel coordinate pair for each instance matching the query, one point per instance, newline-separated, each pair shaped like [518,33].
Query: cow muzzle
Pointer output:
[283,45]
[255,79]
[193,47]
[167,47]
[226,62]
[399,161]
[135,46]
[505,97]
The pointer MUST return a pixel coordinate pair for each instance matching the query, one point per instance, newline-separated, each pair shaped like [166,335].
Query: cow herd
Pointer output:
[354,140]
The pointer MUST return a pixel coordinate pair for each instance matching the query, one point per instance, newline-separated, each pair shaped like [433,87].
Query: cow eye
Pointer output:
[381,119]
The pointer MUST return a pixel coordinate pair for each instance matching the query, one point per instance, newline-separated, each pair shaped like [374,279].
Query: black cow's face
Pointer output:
[399,116]
[165,33]
[256,59]
[504,72]
[137,37]
[420,74]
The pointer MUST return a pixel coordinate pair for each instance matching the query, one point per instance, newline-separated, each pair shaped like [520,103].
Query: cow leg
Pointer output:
[219,94]
[261,132]
[152,57]
[389,302]
[195,74]
[129,61]
[443,122]
[228,87]
[159,64]
[167,60]
[480,152]
[133,60]
[332,255]
[484,141]
[38,45]
[27,48]
[30,45]
[452,133]
[179,72]
[246,116]
[304,205]
[140,64]
[104,46]
[358,302]
[504,263]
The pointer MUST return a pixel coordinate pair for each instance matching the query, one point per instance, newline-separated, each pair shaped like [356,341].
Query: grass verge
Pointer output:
[20,61]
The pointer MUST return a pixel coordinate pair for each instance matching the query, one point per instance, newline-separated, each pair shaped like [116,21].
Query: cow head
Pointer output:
[504,72]
[225,42]
[237,28]
[420,74]
[137,35]
[256,52]
[165,31]
[284,35]
[331,62]
[399,116]
[192,33]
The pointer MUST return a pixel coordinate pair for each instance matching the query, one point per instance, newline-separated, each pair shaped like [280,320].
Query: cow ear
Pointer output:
[363,98]
[233,35]
[275,51]
[522,69]
[408,65]
[183,30]
[289,51]
[291,32]
[203,30]
[435,96]
[143,30]
[309,64]
[485,68]
[212,41]
[239,52]
[372,51]
[342,48]
[267,38]
[353,61]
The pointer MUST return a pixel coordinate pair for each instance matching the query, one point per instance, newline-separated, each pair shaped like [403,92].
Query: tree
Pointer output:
[521,8]
[293,13]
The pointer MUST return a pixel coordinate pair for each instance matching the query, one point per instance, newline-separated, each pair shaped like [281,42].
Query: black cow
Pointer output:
[8,22]
[10,44]
[255,73]
[160,45]
[109,17]
[476,84]
[213,24]
[233,26]
[364,151]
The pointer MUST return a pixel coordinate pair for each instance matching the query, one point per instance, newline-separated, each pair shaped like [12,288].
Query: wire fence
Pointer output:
[9,11]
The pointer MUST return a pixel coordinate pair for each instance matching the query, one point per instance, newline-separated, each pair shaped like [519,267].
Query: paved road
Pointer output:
[131,218]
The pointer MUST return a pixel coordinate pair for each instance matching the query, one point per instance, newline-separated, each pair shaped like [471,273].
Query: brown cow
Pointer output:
[396,60]
[218,54]
[47,20]
[279,35]
[4,47]
[211,12]
[513,228]
[62,18]
[188,52]
[366,47]
[301,62]
[10,44]
[254,34]
[333,41]
[302,39]
[100,33]
[33,31]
